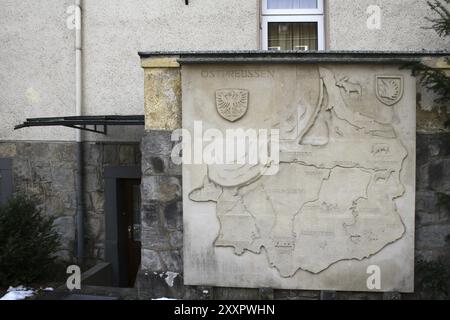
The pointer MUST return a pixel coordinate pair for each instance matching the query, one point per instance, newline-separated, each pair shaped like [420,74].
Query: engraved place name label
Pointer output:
[238,73]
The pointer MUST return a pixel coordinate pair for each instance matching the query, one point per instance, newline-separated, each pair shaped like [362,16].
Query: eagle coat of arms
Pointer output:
[389,89]
[232,104]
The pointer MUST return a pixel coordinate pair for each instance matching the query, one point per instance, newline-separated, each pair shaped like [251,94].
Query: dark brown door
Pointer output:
[129,230]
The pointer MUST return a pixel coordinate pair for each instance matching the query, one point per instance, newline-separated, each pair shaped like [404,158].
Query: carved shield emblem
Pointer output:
[232,104]
[389,89]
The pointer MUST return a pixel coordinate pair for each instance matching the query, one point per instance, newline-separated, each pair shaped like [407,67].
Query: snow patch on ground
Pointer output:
[170,277]
[18,293]
[164,298]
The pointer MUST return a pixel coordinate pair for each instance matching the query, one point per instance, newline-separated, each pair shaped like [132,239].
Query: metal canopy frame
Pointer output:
[96,124]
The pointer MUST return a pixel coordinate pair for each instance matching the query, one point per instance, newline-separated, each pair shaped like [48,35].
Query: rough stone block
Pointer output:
[221,293]
[266,294]
[328,295]
[427,200]
[95,225]
[70,202]
[172,260]
[156,142]
[65,226]
[92,153]
[439,175]
[154,285]
[38,151]
[176,239]
[173,215]
[296,295]
[150,213]
[422,156]
[429,210]
[198,293]
[154,165]
[63,152]
[151,261]
[22,171]
[126,155]
[392,296]
[432,146]
[359,295]
[42,172]
[426,218]
[8,150]
[433,236]
[422,177]
[97,200]
[155,238]
[93,180]
[162,98]
[174,169]
[160,188]
[110,154]
[63,178]
[54,206]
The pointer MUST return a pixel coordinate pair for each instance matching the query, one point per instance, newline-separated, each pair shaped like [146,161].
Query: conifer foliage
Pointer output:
[436,80]
[28,243]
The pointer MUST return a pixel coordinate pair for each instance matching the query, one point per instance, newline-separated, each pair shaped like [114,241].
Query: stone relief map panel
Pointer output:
[338,205]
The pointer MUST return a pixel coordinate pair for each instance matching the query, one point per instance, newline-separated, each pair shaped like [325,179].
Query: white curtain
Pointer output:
[293,35]
[291,4]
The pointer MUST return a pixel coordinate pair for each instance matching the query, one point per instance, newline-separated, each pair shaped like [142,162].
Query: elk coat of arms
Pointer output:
[232,104]
[389,89]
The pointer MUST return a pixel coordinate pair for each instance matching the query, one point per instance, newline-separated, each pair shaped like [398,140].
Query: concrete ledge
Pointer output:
[354,57]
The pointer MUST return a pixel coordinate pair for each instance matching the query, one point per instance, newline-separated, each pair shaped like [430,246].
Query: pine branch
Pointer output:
[440,24]
[434,80]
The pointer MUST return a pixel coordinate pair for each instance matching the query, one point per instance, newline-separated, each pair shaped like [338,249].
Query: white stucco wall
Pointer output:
[115,30]
[402,26]
[36,67]
[37,49]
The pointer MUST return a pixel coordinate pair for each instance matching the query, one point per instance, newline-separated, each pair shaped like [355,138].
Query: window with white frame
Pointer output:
[292,25]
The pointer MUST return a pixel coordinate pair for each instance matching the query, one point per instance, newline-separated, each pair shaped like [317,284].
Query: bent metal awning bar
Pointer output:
[97,124]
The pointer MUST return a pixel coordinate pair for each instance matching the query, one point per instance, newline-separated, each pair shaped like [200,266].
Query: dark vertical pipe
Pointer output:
[80,203]
[79,112]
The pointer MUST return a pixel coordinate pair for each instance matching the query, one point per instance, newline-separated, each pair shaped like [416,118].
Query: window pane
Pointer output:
[291,4]
[293,36]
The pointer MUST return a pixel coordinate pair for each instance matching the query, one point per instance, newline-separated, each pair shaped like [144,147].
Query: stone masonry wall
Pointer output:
[47,170]
[162,221]
[433,197]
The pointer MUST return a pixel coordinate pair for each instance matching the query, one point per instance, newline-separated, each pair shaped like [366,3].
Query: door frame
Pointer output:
[111,175]
[6,183]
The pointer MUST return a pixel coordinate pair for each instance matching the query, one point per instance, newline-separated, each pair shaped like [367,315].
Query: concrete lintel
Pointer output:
[160,62]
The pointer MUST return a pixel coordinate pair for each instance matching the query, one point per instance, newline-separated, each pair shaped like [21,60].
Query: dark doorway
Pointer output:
[129,230]
[121,197]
